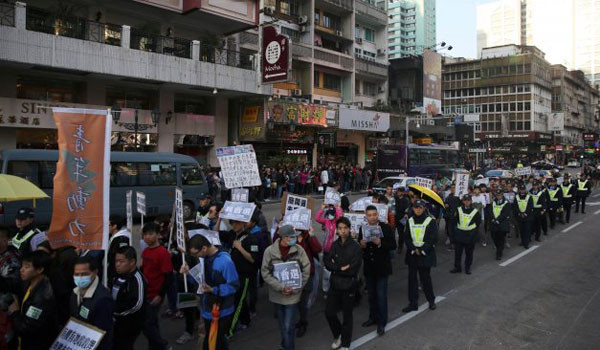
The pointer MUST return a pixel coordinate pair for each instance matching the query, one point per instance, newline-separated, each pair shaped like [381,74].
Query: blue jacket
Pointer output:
[219,273]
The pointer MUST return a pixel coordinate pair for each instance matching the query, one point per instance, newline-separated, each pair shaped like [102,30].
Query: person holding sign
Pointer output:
[377,268]
[420,236]
[499,216]
[34,315]
[285,297]
[465,235]
[90,301]
[220,284]
[119,237]
[523,209]
[344,261]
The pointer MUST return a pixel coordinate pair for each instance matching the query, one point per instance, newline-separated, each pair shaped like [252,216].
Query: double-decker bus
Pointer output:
[423,160]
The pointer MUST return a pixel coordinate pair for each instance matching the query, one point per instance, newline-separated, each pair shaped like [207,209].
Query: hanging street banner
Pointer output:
[276,52]
[240,195]
[179,219]
[238,166]
[81,196]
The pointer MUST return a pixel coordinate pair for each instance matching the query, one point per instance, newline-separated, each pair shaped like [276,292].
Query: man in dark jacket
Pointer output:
[90,301]
[498,217]
[452,204]
[344,260]
[420,236]
[465,234]
[34,315]
[377,267]
[554,201]
[119,237]
[129,294]
[523,211]
[402,204]
[540,208]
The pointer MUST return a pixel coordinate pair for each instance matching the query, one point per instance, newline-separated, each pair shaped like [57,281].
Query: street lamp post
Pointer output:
[136,127]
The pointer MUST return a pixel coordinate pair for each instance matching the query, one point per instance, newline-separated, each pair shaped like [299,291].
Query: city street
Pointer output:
[546,297]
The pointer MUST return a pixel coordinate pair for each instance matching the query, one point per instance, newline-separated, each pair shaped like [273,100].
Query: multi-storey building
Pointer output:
[509,91]
[412,27]
[175,60]
[338,60]
[567,31]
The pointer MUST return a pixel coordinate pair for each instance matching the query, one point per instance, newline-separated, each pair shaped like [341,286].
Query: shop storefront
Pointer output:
[516,144]
[356,126]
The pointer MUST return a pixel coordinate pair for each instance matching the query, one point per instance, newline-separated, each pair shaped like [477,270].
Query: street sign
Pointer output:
[476,150]
[276,56]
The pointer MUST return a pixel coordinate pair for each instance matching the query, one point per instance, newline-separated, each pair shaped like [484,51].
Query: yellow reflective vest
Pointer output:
[464,220]
[417,231]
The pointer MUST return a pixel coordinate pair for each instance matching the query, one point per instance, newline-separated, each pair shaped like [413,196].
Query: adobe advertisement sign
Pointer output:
[276,56]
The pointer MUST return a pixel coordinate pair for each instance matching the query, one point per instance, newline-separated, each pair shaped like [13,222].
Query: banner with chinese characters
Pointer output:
[253,127]
[299,113]
[80,203]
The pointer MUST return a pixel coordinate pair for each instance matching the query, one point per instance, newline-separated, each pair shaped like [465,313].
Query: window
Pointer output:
[317,17]
[47,172]
[357,32]
[193,104]
[369,89]
[27,170]
[157,174]
[332,82]
[331,21]
[123,174]
[357,87]
[369,34]
[272,4]
[289,7]
[317,79]
[126,97]
[191,175]
[53,90]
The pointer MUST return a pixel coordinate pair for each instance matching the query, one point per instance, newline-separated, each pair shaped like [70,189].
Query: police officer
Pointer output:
[567,189]
[555,198]
[583,191]
[420,235]
[465,235]
[523,210]
[500,216]
[28,236]
[540,207]
[203,207]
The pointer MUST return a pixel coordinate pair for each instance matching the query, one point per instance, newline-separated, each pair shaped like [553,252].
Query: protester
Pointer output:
[158,271]
[327,216]
[285,249]
[34,315]
[119,237]
[344,262]
[129,295]
[312,247]
[220,285]
[28,237]
[10,283]
[61,283]
[377,268]
[90,301]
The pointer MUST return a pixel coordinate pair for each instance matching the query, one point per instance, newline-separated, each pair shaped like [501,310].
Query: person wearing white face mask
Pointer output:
[90,301]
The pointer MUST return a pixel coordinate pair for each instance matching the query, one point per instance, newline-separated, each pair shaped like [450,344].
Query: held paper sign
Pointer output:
[289,274]
[129,211]
[238,166]
[140,202]
[425,182]
[356,221]
[179,218]
[294,202]
[369,232]
[332,196]
[523,171]
[462,184]
[382,210]
[78,335]
[240,195]
[361,204]
[484,181]
[238,211]
[299,218]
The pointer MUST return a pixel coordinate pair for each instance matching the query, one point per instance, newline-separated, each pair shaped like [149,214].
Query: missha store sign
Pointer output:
[357,119]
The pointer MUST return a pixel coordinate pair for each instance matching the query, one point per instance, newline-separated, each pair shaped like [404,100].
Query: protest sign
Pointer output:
[484,181]
[299,218]
[291,201]
[332,196]
[211,236]
[371,231]
[186,300]
[180,233]
[425,182]
[396,186]
[289,274]
[140,200]
[238,211]
[525,171]
[462,184]
[240,195]
[78,335]
[382,210]
[80,199]
[197,272]
[361,204]
[238,166]
[274,224]
[129,211]
[356,220]
[560,180]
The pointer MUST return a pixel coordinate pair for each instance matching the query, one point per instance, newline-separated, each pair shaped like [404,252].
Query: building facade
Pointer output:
[412,27]
[175,60]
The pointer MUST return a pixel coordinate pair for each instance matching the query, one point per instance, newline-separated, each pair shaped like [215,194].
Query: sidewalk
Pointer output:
[313,196]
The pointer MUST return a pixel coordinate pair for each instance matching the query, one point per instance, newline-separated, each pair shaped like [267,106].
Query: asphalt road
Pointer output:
[547,298]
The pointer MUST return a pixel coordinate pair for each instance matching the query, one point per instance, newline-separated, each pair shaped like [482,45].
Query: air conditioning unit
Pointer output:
[297,92]
[380,52]
[338,32]
[302,20]
[268,11]
[358,40]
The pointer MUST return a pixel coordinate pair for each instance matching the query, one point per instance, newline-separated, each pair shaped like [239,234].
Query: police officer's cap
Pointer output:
[467,197]
[24,213]
[419,203]
[498,192]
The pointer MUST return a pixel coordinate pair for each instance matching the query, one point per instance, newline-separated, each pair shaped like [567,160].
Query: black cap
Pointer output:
[522,187]
[467,197]
[24,213]
[419,203]
[204,196]
[498,191]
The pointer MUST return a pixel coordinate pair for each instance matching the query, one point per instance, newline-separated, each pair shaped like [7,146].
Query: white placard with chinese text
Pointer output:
[382,210]
[294,202]
[298,218]
[78,335]
[525,171]
[423,181]
[238,211]
[179,219]
[240,195]
[238,166]
[462,184]
[484,181]
[289,274]
[361,204]
[140,200]
[332,196]
[371,231]
[129,211]
[356,221]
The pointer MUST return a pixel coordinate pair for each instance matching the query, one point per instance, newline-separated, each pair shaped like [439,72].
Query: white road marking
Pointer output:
[519,256]
[572,226]
[596,195]
[597,212]
[391,325]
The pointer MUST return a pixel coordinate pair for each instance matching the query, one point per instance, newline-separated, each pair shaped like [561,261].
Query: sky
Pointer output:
[457,26]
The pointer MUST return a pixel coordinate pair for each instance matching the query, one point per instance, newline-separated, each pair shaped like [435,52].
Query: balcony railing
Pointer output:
[345,62]
[345,4]
[7,14]
[160,44]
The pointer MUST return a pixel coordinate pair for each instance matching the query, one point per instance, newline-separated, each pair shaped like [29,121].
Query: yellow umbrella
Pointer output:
[14,188]
[426,192]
